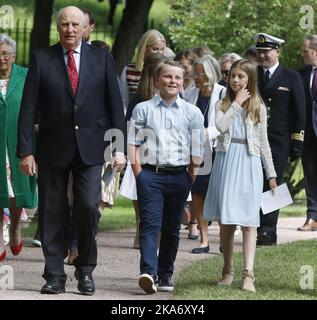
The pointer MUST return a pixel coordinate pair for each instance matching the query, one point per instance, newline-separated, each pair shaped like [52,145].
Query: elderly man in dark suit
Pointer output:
[309,156]
[283,94]
[71,88]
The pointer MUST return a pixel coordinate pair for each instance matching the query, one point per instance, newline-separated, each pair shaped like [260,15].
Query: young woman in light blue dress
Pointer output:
[236,182]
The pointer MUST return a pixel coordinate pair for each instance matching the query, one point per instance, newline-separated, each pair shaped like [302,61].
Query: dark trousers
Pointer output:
[309,160]
[161,199]
[53,213]
[268,222]
[72,229]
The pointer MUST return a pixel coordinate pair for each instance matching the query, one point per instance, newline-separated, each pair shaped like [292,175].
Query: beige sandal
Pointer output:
[227,276]
[248,281]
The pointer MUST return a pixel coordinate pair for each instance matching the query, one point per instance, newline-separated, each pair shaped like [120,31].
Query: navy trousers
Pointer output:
[161,199]
[309,160]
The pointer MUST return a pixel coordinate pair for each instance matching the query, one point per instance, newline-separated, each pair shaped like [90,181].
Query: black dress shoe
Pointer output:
[54,285]
[86,284]
[201,250]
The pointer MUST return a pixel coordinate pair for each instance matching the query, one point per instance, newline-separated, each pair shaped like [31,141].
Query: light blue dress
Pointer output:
[236,183]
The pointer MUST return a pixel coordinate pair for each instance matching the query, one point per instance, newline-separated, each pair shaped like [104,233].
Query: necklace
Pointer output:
[207,105]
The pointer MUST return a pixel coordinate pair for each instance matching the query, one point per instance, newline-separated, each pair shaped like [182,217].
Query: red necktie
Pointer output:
[314,84]
[72,71]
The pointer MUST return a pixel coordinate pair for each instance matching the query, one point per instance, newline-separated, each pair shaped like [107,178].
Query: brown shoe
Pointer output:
[73,254]
[310,225]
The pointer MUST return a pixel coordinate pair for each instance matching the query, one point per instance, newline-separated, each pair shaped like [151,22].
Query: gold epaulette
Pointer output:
[298,136]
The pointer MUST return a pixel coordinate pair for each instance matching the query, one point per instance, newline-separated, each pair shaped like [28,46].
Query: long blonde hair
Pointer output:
[252,105]
[148,38]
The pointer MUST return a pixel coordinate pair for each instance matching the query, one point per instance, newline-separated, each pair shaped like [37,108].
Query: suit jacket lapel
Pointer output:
[261,79]
[307,80]
[1,97]
[59,61]
[12,82]
[83,67]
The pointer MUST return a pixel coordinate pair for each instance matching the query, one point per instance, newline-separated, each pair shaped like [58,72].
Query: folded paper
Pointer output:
[273,201]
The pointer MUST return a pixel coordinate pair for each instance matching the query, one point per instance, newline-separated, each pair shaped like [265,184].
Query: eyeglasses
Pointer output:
[5,54]
[175,64]
[197,75]
[225,72]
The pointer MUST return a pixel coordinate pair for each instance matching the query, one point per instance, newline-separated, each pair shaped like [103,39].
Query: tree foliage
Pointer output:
[294,176]
[230,25]
[131,27]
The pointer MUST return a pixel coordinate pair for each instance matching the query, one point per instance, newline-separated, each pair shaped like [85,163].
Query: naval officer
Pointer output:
[283,94]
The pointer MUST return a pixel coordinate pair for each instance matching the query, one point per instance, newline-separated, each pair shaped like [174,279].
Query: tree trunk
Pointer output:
[112,10]
[131,28]
[40,35]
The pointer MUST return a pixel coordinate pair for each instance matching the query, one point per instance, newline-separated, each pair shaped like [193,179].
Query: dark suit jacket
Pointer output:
[311,118]
[285,100]
[66,121]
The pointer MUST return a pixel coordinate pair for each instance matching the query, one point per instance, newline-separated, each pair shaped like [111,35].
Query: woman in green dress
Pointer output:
[17,191]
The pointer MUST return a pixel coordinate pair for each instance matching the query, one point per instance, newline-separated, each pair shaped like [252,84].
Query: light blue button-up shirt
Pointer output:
[167,135]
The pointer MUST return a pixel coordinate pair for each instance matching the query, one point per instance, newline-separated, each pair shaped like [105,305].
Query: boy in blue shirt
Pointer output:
[165,145]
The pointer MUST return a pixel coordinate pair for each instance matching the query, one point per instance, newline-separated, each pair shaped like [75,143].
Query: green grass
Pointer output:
[297,209]
[28,230]
[121,216]
[277,273]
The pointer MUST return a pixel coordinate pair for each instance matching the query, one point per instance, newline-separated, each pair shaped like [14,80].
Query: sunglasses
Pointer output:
[225,72]
[198,75]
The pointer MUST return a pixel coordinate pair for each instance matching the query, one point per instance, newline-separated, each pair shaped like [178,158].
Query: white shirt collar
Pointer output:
[272,69]
[76,50]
